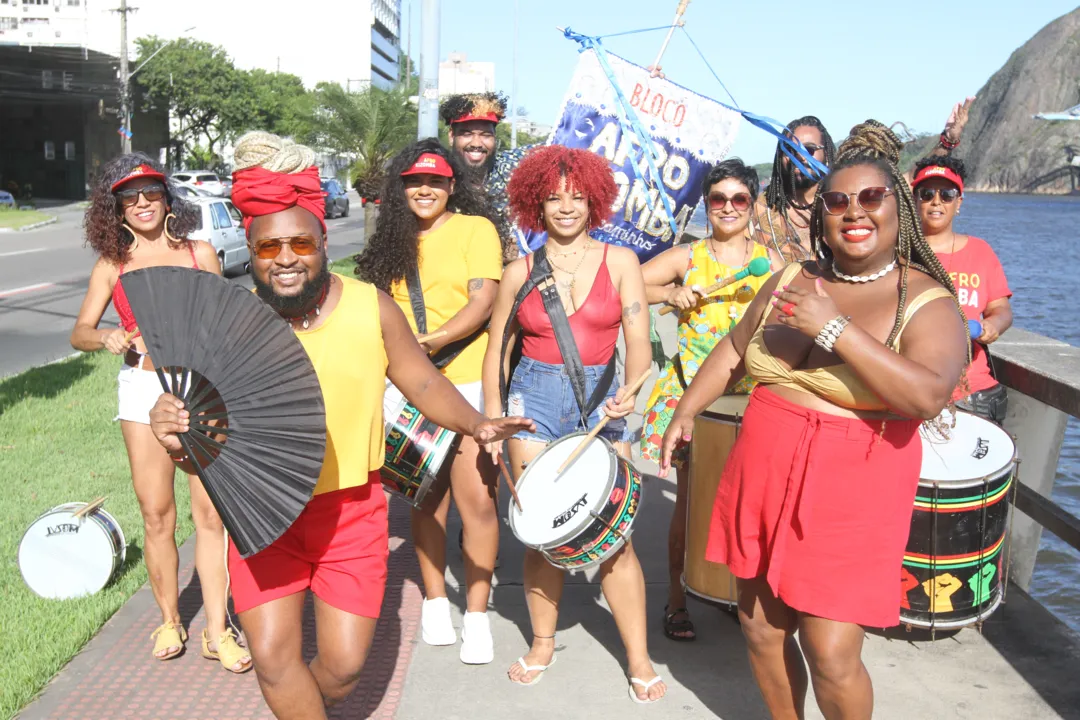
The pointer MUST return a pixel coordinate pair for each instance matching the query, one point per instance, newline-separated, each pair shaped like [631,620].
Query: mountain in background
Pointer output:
[1004,147]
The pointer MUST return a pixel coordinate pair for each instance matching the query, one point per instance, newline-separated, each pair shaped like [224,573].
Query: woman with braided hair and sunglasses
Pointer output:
[981,286]
[851,354]
[136,220]
[677,277]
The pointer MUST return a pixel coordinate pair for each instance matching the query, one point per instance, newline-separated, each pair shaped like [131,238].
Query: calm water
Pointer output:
[1032,234]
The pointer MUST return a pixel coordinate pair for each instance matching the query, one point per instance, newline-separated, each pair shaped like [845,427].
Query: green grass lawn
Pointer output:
[19,218]
[344,266]
[58,444]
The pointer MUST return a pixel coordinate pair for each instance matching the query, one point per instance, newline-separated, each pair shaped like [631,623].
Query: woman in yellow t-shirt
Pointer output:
[435,229]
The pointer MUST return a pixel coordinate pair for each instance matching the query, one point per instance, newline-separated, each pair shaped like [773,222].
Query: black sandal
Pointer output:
[672,626]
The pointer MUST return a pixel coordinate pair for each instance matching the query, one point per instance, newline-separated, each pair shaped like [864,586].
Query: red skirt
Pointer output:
[821,506]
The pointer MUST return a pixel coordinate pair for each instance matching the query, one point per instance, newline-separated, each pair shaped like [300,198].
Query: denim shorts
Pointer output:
[543,393]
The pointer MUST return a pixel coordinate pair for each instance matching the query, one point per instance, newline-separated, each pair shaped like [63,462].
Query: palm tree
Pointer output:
[370,127]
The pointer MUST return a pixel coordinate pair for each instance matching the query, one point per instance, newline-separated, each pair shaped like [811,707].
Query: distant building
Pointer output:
[531,128]
[457,76]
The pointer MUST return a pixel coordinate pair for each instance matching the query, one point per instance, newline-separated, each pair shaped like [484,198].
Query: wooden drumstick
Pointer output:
[131,335]
[510,482]
[430,336]
[89,507]
[756,267]
[632,389]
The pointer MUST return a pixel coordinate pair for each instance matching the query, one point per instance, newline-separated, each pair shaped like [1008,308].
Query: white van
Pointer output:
[223,227]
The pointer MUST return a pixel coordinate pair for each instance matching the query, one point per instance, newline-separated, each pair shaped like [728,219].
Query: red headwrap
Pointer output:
[257,191]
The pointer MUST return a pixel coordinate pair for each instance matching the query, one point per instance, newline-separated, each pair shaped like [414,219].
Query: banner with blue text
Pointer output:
[689,132]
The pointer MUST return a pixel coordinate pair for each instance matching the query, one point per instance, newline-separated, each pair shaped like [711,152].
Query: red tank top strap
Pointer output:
[194,260]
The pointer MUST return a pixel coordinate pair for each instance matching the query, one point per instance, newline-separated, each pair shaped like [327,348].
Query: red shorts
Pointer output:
[338,547]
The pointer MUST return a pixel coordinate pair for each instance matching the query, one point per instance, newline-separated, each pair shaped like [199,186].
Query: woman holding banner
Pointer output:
[677,278]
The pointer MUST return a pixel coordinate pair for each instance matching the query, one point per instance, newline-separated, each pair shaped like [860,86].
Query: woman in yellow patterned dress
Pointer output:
[677,278]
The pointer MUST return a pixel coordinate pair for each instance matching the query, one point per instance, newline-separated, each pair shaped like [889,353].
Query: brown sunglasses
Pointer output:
[269,248]
[129,197]
[869,199]
[739,201]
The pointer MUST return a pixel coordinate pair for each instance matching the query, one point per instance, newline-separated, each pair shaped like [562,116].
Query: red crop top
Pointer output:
[120,301]
[595,324]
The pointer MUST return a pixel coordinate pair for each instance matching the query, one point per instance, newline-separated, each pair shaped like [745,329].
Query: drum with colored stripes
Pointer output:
[953,564]
[416,449]
[581,516]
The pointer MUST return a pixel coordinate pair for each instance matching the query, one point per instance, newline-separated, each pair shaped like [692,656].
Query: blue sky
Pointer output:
[841,60]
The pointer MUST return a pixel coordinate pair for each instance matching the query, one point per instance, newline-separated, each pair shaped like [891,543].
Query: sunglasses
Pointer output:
[739,201]
[869,199]
[301,245]
[152,193]
[813,148]
[947,195]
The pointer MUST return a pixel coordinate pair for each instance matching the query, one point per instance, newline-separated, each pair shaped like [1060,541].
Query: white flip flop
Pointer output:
[532,668]
[633,695]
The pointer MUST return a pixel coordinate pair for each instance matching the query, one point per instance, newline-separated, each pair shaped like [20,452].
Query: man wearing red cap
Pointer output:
[471,121]
[981,286]
[356,337]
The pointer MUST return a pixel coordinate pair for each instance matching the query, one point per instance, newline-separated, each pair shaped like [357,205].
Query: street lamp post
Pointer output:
[428,122]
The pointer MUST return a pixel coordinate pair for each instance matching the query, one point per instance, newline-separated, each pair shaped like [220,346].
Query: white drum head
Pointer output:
[62,557]
[556,508]
[975,449]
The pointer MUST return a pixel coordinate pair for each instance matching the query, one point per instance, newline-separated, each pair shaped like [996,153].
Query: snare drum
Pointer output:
[951,576]
[62,556]
[583,516]
[715,431]
[416,449]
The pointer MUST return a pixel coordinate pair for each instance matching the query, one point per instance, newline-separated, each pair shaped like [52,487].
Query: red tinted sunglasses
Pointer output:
[869,199]
[739,201]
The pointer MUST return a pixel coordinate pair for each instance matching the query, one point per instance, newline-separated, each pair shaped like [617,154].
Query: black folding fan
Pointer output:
[258,423]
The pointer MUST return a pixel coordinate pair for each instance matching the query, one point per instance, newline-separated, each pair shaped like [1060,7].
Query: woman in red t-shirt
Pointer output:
[976,272]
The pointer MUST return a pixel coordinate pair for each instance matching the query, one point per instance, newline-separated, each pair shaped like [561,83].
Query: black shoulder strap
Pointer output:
[541,279]
[447,353]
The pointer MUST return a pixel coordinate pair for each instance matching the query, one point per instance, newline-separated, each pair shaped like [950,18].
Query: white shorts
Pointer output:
[393,400]
[138,391]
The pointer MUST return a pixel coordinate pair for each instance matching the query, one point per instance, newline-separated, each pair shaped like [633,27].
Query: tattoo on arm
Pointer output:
[476,285]
[630,311]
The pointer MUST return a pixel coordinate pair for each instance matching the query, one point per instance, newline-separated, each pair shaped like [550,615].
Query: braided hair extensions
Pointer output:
[782,185]
[871,143]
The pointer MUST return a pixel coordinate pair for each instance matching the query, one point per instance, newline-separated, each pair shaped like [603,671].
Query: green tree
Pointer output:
[369,127]
[281,104]
[197,83]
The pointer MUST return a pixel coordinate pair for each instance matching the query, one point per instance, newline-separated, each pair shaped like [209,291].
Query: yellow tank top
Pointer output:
[350,361]
[839,384]
[704,325]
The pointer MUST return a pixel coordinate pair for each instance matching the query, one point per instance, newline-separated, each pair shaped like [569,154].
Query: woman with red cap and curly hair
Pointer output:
[136,220]
[567,193]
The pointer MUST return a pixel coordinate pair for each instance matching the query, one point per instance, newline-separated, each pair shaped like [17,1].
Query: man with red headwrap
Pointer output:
[356,337]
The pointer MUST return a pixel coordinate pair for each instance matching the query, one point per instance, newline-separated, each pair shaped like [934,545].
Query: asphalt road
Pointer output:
[44,275]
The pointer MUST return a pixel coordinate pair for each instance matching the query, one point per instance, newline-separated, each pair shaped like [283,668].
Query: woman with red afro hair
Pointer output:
[566,193]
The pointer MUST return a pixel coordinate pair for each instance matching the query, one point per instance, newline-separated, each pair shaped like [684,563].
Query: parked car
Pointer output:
[7,199]
[200,180]
[222,226]
[337,199]
[189,193]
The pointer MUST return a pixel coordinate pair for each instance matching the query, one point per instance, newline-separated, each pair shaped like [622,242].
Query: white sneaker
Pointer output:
[477,645]
[435,623]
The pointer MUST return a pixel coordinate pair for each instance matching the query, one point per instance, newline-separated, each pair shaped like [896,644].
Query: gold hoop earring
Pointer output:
[168,235]
[134,237]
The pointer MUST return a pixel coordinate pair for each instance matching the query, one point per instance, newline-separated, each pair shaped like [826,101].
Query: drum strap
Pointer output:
[540,278]
[444,355]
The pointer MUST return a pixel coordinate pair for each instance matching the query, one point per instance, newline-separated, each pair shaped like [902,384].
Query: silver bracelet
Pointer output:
[829,334]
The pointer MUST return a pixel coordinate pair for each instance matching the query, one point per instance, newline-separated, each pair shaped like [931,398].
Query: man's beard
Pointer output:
[801,182]
[478,174]
[292,306]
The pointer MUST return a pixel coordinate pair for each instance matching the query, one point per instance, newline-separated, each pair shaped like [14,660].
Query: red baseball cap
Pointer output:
[139,171]
[430,164]
[486,117]
[937,171]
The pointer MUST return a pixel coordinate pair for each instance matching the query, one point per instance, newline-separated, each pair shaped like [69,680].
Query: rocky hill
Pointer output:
[1005,148]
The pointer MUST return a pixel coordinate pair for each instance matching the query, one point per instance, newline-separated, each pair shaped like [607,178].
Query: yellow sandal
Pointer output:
[168,635]
[229,652]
